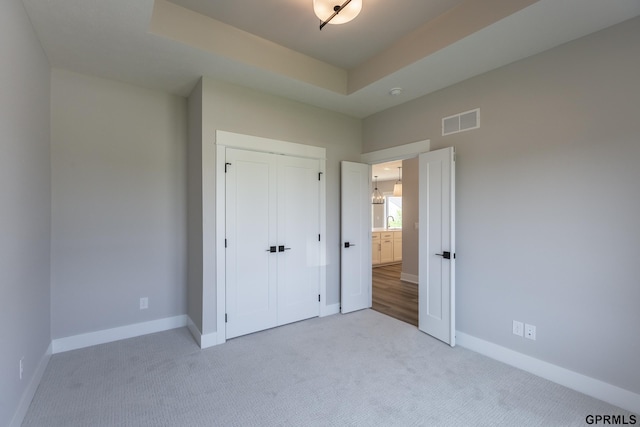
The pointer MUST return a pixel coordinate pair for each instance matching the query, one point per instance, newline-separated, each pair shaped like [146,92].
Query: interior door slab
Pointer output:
[250,265]
[436,289]
[355,268]
[298,242]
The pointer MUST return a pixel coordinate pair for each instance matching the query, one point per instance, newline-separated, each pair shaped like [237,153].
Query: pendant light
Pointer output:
[377,198]
[397,189]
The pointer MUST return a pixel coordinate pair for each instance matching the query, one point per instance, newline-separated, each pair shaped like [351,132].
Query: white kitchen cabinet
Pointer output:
[397,245]
[375,248]
[386,247]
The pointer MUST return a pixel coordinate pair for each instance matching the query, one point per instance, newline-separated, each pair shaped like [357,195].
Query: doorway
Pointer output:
[394,244]
[436,236]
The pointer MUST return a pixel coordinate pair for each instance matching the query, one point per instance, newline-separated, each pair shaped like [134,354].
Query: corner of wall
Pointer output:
[194,206]
[28,394]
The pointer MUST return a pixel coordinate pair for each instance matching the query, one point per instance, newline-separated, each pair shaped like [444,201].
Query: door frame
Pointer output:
[226,139]
[401,152]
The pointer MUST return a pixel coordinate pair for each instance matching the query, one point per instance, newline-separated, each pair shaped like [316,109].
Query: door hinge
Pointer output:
[318,237]
[225,318]
[318,297]
[225,243]
[319,175]
[226,165]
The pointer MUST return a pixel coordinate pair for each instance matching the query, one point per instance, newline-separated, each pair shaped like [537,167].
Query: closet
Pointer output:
[272,240]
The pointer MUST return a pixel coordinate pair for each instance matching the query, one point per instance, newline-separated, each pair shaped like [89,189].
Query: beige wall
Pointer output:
[410,217]
[547,200]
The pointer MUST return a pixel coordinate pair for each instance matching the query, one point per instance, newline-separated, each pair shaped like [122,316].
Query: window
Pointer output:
[393,211]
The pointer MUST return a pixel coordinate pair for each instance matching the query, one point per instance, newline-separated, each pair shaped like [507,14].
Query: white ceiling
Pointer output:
[386,171]
[113,39]
[292,23]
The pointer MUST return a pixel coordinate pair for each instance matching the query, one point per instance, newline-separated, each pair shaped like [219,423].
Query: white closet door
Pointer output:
[298,231]
[251,294]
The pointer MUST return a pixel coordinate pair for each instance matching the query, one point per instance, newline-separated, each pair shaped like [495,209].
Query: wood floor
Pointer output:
[394,297]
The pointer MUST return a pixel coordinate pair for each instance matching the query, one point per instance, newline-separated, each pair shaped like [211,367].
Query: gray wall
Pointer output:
[547,200]
[118,155]
[194,207]
[25,205]
[245,111]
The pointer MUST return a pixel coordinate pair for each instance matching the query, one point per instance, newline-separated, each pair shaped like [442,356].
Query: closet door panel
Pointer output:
[298,231]
[251,294]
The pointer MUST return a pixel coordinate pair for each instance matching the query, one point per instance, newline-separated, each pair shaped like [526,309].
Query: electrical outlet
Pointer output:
[144,303]
[518,328]
[530,331]
[21,367]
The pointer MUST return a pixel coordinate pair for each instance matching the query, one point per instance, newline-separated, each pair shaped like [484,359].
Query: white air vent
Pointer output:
[461,122]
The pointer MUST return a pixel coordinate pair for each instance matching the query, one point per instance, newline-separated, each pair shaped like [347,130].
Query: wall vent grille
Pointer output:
[461,122]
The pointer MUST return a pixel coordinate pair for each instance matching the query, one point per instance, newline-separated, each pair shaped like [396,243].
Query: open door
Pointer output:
[436,289]
[355,244]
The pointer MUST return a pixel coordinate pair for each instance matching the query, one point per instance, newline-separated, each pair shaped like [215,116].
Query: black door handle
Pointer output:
[281,248]
[271,249]
[348,245]
[445,255]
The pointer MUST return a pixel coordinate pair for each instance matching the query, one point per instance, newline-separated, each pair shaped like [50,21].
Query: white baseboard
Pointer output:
[590,386]
[28,394]
[411,278]
[209,340]
[203,340]
[115,334]
[329,310]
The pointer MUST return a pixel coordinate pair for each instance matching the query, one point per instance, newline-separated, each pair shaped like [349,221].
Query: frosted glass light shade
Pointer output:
[324,9]
[397,189]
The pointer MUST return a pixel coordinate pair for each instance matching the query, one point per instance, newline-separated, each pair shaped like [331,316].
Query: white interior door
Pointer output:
[436,289]
[251,269]
[355,268]
[298,239]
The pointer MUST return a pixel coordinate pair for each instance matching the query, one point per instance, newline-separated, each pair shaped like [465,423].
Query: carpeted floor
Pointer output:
[359,369]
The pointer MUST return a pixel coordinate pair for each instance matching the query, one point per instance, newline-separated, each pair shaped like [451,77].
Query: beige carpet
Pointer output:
[360,369]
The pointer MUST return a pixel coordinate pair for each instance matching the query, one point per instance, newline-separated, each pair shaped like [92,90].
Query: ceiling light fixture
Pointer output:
[331,13]
[395,91]
[397,189]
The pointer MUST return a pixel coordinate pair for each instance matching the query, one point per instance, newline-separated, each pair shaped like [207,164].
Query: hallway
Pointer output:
[393,297]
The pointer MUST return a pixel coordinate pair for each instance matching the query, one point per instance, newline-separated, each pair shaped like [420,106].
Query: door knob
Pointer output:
[445,255]
[281,248]
[271,249]
[348,245]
